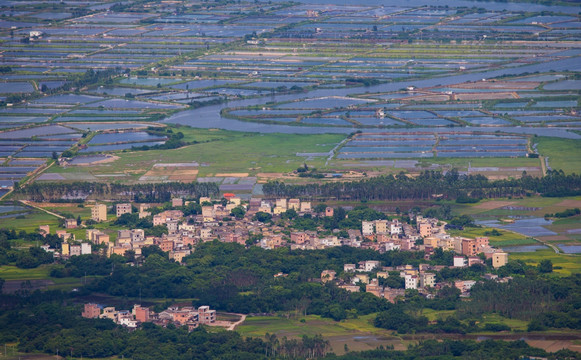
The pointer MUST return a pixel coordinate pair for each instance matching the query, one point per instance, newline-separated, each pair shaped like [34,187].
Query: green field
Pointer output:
[514,324]
[458,163]
[569,264]
[492,208]
[30,222]
[508,238]
[74,209]
[562,226]
[434,315]
[312,325]
[462,163]
[359,334]
[563,154]
[222,154]
[9,272]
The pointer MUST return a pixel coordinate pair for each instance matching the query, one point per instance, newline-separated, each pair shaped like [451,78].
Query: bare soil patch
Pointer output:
[429,97]
[173,173]
[11,286]
[570,203]
[52,205]
[554,238]
[270,175]
[554,345]
[486,96]
[523,85]
[490,205]
[231,175]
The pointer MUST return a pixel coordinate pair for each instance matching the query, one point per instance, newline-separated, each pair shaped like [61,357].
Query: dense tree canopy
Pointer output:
[429,184]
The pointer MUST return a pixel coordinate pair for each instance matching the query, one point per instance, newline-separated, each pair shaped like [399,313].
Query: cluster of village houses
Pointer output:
[185,316]
[381,235]
[422,278]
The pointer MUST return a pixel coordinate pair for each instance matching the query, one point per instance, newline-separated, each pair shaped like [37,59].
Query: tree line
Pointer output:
[153,192]
[44,323]
[431,184]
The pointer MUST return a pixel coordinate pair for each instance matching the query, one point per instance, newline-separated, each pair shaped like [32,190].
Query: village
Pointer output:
[257,225]
[260,223]
[184,316]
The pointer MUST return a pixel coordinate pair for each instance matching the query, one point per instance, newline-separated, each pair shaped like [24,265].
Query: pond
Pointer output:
[325,121]
[38,131]
[209,117]
[80,160]
[109,126]
[326,103]
[10,208]
[124,137]
[564,85]
[116,147]
[570,249]
[66,99]
[365,149]
[475,154]
[527,226]
[131,104]
[486,120]
[16,87]
[376,121]
[523,248]
[147,81]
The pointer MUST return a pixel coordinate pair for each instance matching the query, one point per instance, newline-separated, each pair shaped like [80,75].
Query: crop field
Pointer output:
[31,221]
[8,272]
[358,334]
[564,265]
[562,153]
[218,156]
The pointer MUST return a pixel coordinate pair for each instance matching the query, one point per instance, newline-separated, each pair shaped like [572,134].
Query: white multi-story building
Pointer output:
[411,281]
[367,228]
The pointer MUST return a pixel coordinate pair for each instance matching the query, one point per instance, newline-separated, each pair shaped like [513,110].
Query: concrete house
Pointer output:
[121,209]
[99,212]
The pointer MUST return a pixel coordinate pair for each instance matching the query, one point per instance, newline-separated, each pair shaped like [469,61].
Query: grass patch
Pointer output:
[31,221]
[564,154]
[562,225]
[84,212]
[514,324]
[9,272]
[507,238]
[313,324]
[569,264]
[434,315]
[462,164]
[222,154]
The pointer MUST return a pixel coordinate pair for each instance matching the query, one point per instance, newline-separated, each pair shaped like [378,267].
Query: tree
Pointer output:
[545,266]
[320,208]
[289,214]
[262,216]
[129,255]
[238,212]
